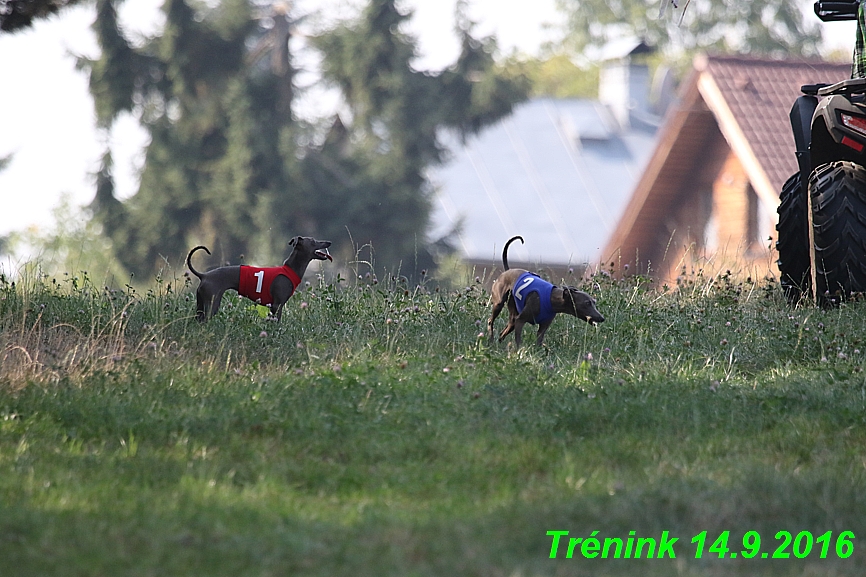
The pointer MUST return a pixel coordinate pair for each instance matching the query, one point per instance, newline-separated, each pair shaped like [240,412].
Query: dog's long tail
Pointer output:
[505,250]
[189,256]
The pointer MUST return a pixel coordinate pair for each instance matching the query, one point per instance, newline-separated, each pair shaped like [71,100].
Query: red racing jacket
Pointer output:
[255,283]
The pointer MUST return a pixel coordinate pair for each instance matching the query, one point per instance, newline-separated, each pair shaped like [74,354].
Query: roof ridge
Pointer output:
[769,60]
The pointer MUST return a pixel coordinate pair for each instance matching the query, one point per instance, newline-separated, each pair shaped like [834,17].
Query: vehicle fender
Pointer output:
[802,113]
[828,132]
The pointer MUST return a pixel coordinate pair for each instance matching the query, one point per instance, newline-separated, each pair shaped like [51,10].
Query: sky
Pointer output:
[48,119]
[49,123]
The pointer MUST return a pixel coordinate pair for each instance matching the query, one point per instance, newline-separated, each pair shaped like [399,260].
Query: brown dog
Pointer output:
[535,301]
[267,286]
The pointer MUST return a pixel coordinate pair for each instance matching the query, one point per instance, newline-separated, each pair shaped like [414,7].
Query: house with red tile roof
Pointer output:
[708,195]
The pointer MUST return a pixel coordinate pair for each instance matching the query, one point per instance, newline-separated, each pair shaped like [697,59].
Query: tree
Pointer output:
[228,164]
[559,77]
[770,27]
[398,117]
[73,246]
[193,89]
[19,14]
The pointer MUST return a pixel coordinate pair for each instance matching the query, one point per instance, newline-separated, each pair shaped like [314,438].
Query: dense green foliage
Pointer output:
[373,432]
[774,27]
[557,76]
[230,165]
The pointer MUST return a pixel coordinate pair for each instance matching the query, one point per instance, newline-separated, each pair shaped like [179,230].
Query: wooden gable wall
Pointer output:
[715,224]
[696,205]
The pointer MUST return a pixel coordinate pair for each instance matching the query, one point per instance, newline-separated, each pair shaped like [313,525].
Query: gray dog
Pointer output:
[533,300]
[271,286]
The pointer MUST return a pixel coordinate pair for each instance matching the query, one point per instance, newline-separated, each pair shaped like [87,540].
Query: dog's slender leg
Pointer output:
[497,308]
[215,304]
[201,307]
[518,332]
[542,330]
[509,328]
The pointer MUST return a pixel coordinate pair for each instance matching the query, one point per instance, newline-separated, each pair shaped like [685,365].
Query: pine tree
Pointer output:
[195,89]
[230,167]
[399,114]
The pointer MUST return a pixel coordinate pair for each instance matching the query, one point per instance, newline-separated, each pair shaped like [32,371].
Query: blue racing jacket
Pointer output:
[532,283]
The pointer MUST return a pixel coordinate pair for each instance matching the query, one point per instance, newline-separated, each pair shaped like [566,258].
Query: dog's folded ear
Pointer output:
[294,241]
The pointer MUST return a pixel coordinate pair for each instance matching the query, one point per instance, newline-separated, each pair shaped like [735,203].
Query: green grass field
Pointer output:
[374,433]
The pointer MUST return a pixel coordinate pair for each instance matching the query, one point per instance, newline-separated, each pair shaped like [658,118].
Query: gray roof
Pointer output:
[557,172]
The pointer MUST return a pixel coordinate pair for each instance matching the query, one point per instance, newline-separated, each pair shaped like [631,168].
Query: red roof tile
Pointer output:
[759,93]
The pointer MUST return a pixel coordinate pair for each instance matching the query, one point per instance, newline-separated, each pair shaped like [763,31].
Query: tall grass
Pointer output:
[376,431]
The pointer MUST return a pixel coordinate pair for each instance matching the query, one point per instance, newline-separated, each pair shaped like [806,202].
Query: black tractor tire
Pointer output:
[792,240]
[838,193]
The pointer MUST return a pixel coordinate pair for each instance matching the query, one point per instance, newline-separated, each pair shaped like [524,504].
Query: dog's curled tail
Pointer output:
[189,256]
[505,250]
